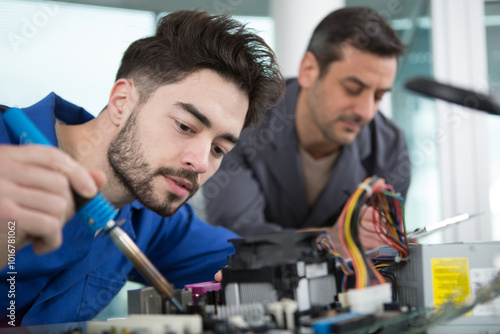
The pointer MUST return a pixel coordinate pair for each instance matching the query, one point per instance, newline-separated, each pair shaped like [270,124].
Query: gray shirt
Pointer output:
[260,186]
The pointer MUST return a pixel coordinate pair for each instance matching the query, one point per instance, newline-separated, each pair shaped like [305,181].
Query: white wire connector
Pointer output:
[366,187]
[370,299]
[398,258]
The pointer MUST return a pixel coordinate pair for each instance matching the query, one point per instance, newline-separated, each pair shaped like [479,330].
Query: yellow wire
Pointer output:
[356,254]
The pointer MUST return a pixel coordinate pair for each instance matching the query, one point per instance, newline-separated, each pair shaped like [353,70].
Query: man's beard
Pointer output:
[327,127]
[126,158]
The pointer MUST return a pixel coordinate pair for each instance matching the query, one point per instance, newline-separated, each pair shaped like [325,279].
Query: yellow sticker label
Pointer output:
[450,280]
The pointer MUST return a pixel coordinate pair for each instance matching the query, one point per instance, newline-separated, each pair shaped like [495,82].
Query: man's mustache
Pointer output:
[181,173]
[353,119]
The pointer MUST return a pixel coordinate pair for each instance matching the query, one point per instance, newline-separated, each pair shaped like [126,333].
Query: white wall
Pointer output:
[294,22]
[459,51]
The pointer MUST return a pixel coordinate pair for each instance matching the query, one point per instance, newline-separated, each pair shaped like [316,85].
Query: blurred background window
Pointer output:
[492,23]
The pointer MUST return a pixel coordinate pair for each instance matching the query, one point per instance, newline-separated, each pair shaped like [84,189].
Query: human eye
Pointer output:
[218,152]
[379,96]
[183,127]
[353,89]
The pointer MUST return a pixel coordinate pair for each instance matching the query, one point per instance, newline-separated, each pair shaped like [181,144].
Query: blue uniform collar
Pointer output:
[45,112]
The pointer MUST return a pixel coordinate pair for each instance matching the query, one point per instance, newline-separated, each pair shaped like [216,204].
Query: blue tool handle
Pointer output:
[97,211]
[23,128]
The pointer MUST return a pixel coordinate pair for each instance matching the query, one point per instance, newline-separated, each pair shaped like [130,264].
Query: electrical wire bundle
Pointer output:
[325,242]
[388,223]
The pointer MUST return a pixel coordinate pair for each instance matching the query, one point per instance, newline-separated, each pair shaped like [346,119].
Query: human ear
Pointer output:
[308,70]
[122,100]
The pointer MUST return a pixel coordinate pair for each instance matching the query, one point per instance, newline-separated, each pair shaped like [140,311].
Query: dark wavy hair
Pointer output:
[361,27]
[190,40]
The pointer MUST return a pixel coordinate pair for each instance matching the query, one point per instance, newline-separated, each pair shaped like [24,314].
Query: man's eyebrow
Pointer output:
[357,81]
[188,107]
[364,85]
[231,138]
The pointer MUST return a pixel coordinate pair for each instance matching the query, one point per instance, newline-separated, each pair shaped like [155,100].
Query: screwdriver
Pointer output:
[431,228]
[98,213]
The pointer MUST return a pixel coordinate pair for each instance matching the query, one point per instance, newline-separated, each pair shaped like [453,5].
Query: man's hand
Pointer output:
[218,276]
[35,193]
[367,234]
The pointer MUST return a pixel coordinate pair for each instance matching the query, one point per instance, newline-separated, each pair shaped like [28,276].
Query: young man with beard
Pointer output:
[297,170]
[179,103]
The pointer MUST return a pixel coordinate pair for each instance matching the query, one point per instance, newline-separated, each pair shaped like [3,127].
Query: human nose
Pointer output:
[196,157]
[366,107]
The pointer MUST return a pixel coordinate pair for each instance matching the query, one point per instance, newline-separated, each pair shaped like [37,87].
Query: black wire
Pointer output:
[394,283]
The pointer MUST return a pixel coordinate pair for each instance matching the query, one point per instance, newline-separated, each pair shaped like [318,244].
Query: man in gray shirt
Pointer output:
[297,170]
